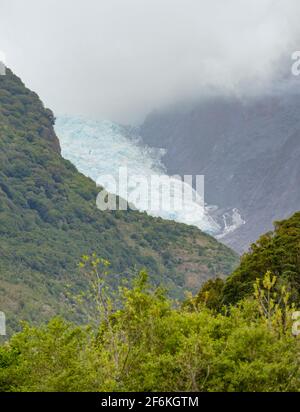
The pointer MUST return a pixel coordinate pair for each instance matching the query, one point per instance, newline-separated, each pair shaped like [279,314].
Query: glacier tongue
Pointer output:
[99,148]
[232,220]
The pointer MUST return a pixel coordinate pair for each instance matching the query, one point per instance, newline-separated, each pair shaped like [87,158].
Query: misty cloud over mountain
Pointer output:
[119,60]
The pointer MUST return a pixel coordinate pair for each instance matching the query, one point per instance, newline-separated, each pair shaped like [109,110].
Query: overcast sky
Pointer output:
[119,59]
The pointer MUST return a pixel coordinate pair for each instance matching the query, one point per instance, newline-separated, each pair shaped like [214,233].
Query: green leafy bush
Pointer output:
[144,342]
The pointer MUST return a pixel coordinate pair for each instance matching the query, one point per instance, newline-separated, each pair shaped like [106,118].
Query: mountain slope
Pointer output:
[277,251]
[247,150]
[48,219]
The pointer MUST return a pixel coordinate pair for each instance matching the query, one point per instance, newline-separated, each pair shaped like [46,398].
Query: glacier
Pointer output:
[100,148]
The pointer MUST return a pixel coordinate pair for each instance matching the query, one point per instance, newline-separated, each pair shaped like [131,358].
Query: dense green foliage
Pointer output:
[48,217]
[148,344]
[277,251]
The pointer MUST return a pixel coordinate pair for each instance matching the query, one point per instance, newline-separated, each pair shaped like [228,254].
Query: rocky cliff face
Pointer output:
[249,152]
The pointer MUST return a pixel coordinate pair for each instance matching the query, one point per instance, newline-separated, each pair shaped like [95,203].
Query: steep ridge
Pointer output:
[48,219]
[277,251]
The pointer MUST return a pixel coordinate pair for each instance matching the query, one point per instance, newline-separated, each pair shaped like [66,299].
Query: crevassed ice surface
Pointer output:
[100,148]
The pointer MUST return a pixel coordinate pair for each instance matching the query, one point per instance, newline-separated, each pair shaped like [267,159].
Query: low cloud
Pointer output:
[119,59]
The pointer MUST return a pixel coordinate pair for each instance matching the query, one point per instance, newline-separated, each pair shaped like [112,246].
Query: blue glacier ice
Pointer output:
[100,148]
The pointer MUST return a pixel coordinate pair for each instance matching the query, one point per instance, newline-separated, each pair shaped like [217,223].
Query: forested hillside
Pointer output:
[48,219]
[277,251]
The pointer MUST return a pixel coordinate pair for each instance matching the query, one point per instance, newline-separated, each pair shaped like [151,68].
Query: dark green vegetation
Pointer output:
[148,344]
[48,219]
[277,251]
